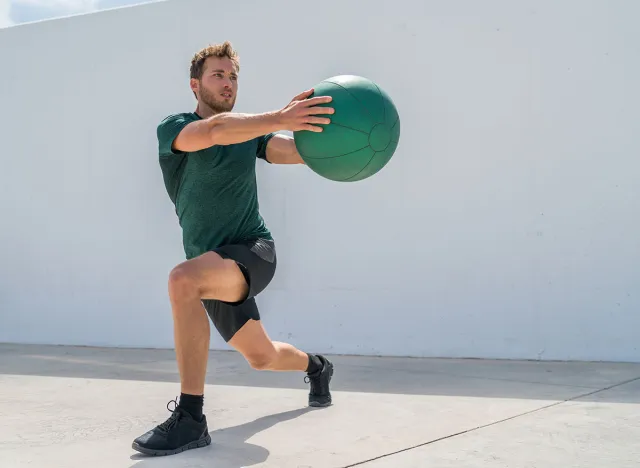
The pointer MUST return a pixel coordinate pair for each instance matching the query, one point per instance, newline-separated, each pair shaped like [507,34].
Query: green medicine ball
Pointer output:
[362,136]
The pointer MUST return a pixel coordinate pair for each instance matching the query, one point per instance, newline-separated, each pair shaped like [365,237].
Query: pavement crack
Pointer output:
[467,431]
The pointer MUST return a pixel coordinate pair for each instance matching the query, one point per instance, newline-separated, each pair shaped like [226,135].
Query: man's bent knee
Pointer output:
[263,361]
[183,283]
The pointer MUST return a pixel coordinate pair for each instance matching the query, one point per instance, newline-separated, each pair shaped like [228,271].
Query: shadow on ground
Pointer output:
[409,376]
[229,447]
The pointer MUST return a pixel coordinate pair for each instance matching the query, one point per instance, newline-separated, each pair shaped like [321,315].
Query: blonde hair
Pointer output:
[216,50]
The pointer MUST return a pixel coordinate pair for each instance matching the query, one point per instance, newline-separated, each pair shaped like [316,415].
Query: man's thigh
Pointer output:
[241,327]
[229,319]
[210,276]
[256,260]
[231,274]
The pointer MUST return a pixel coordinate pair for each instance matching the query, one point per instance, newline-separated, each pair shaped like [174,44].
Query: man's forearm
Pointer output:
[229,128]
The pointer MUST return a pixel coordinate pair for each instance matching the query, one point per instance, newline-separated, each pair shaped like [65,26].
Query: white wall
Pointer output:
[506,225]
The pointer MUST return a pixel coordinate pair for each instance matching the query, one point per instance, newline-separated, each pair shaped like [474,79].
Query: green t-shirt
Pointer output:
[214,190]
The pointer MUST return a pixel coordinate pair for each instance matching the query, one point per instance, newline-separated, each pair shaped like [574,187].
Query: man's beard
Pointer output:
[215,105]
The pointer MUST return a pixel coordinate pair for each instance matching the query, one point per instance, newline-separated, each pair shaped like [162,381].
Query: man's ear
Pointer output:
[195,86]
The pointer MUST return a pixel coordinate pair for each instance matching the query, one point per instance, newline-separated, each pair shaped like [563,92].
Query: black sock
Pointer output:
[192,404]
[315,364]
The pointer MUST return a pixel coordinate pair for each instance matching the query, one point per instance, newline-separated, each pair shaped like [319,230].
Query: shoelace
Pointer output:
[318,384]
[174,418]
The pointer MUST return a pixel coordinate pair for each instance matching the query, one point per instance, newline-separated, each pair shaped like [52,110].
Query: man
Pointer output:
[208,160]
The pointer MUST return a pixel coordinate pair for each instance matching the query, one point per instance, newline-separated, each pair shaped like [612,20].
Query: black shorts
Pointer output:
[257,260]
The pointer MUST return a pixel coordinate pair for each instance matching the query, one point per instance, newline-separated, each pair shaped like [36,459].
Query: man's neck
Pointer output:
[205,111]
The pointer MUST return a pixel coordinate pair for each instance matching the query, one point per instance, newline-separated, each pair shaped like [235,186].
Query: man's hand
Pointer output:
[300,113]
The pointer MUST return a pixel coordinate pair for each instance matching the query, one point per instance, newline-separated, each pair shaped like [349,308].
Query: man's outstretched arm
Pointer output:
[281,149]
[229,128]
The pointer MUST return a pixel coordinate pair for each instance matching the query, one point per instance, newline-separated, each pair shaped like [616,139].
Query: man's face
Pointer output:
[219,84]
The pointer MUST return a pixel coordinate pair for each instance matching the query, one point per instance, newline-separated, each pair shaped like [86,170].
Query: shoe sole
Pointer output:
[159,453]
[317,404]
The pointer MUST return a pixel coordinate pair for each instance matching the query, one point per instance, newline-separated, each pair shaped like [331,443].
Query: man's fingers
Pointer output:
[319,110]
[303,95]
[314,101]
[311,128]
[318,120]
[305,107]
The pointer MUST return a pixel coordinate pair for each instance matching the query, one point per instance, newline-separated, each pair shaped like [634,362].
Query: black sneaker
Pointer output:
[319,395]
[178,433]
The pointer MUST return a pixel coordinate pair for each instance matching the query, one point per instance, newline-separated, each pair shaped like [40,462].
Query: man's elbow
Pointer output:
[282,149]
[295,158]
[285,159]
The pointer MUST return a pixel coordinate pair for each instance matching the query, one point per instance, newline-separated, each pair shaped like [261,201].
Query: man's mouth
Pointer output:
[227,95]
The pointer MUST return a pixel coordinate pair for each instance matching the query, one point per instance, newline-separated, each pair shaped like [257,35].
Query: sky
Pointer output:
[22,11]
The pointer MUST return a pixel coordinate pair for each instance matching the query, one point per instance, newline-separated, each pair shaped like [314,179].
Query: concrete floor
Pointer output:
[67,407]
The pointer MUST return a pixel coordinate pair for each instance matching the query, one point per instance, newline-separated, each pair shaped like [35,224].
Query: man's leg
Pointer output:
[208,276]
[240,326]
[261,353]
[253,342]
